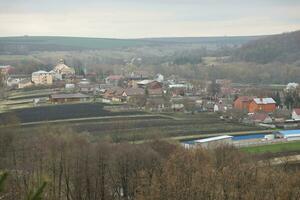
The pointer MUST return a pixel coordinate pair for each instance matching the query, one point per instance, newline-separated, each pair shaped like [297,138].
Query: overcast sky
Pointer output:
[148,18]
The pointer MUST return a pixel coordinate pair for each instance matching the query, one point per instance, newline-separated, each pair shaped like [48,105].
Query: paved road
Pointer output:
[93,118]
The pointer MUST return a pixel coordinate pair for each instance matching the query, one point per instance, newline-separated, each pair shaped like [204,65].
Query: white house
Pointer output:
[296,114]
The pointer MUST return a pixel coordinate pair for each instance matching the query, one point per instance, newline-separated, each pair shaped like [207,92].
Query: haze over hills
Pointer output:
[26,44]
[283,47]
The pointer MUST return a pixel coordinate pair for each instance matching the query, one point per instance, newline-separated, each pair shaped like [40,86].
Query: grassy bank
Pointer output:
[274,148]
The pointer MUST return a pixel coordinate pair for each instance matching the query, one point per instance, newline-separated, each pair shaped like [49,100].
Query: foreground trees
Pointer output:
[77,166]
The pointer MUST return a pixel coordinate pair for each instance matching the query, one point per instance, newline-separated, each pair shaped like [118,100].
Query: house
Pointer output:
[296,114]
[155,103]
[133,92]
[13,82]
[66,97]
[150,84]
[155,92]
[62,69]
[224,82]
[242,103]
[24,83]
[220,107]
[6,69]
[42,78]
[159,78]
[260,117]
[113,93]
[114,79]
[214,142]
[267,105]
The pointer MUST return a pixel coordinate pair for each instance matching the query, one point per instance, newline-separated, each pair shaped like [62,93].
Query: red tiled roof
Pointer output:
[245,98]
[259,116]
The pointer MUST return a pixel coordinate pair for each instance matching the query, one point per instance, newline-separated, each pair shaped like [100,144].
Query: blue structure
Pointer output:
[289,134]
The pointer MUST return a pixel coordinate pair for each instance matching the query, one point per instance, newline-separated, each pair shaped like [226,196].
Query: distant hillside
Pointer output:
[284,47]
[230,40]
[27,44]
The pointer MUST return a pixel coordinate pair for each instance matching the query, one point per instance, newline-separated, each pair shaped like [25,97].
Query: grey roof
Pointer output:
[68,96]
[264,100]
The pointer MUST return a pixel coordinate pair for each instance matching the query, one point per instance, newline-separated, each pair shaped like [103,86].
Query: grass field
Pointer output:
[274,148]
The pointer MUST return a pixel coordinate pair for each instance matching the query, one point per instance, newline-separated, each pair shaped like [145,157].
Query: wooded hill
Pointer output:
[283,48]
[26,44]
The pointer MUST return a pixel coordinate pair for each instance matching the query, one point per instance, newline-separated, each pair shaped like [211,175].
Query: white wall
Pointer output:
[295,116]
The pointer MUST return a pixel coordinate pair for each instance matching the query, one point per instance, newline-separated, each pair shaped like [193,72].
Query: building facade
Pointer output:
[42,78]
[267,105]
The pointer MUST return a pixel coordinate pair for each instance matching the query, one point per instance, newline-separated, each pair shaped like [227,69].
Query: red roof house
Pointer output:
[242,103]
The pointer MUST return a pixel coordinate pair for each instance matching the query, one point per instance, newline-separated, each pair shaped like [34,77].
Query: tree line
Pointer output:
[80,167]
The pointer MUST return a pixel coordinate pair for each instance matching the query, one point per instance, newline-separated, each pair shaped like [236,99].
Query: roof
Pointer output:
[155,91]
[23,81]
[134,91]
[40,72]
[289,133]
[244,98]
[297,111]
[178,86]
[145,82]
[264,100]
[115,77]
[211,139]
[68,96]
[259,116]
[62,66]
[5,66]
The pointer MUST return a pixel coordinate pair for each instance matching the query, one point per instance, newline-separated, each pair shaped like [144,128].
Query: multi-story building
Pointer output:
[42,78]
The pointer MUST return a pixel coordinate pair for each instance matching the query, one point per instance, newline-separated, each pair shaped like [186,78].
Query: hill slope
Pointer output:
[27,44]
[284,47]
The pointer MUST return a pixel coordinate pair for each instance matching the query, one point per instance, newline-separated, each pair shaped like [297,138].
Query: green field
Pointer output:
[274,148]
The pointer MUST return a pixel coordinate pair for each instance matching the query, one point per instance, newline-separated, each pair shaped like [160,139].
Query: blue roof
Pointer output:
[290,132]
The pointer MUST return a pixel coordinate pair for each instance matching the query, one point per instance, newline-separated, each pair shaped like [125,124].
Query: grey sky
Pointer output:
[148,18]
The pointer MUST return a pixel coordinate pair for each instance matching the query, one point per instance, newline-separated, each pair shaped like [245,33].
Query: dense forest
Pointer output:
[78,166]
[284,48]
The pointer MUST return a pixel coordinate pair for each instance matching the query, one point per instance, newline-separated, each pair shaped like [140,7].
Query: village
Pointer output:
[264,107]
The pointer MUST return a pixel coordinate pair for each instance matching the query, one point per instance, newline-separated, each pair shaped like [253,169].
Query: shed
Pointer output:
[290,135]
[66,97]
[213,142]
